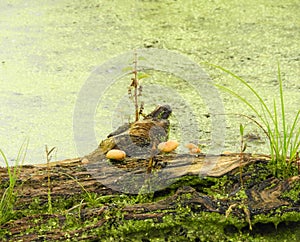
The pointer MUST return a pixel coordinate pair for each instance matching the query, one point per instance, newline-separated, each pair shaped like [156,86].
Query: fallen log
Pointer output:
[71,178]
[91,189]
[103,176]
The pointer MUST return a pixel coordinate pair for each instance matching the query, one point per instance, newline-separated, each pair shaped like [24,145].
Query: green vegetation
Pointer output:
[91,199]
[284,139]
[8,197]
[243,147]
[89,215]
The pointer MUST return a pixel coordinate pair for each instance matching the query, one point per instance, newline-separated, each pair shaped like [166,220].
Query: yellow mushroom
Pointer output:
[168,146]
[115,154]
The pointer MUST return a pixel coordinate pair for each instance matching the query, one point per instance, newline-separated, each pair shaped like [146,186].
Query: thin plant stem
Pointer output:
[135,85]
[48,159]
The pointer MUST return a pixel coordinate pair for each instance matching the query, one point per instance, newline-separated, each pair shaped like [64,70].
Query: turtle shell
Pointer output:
[138,139]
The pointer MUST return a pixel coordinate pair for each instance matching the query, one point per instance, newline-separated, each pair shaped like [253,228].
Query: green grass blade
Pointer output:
[82,187]
[239,97]
[295,144]
[284,145]
[8,197]
[6,163]
[248,86]
[277,140]
[284,141]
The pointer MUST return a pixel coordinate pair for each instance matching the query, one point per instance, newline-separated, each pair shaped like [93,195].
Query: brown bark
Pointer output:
[34,177]
[32,183]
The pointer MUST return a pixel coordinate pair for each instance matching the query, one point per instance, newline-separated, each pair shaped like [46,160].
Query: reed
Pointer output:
[284,138]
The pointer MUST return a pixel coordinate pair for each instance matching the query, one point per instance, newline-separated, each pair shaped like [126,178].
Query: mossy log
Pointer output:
[69,177]
[33,178]
[66,176]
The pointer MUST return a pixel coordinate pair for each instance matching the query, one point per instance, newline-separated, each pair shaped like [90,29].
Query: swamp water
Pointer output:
[49,50]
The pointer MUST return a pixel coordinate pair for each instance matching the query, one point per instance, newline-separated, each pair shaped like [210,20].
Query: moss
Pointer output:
[74,217]
[219,188]
[293,194]
[184,225]
[195,227]
[181,227]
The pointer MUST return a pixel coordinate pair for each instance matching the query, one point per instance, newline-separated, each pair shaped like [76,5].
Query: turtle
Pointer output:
[138,139]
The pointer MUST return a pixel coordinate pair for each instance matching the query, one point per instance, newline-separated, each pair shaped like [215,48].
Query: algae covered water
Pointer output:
[49,50]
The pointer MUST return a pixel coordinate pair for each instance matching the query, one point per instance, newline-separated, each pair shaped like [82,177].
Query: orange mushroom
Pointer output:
[168,146]
[194,149]
[85,161]
[115,154]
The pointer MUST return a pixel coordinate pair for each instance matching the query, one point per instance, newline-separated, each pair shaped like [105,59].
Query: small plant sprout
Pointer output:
[243,147]
[284,139]
[135,89]
[90,198]
[48,159]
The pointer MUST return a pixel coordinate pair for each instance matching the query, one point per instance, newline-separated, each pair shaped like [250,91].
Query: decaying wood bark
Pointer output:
[34,177]
[262,198]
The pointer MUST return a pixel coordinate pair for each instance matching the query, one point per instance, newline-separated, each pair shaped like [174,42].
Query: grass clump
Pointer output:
[284,138]
[8,197]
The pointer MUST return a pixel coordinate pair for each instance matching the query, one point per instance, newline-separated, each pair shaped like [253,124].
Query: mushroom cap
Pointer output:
[85,161]
[168,146]
[194,149]
[115,154]
[191,146]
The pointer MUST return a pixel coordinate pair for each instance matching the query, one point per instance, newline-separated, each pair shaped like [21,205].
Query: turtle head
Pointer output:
[160,112]
[165,112]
